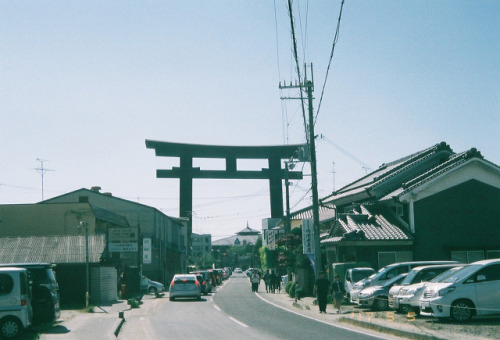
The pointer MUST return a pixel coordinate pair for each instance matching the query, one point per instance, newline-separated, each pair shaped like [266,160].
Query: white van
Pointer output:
[388,272]
[353,275]
[15,303]
[472,290]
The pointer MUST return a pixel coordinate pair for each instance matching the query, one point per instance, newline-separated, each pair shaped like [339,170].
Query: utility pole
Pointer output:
[41,170]
[309,88]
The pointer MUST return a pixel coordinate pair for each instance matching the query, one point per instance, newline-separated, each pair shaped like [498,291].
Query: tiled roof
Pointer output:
[52,249]
[388,172]
[370,223]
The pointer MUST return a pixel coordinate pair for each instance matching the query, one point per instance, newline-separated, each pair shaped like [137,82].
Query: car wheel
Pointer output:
[198,298]
[461,311]
[10,327]
[172,299]
[152,290]
[380,303]
[406,309]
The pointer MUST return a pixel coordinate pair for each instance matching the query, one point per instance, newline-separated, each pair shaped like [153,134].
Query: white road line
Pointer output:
[216,307]
[238,322]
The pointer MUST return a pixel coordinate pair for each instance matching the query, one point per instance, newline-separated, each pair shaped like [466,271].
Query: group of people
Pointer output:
[272,281]
[321,289]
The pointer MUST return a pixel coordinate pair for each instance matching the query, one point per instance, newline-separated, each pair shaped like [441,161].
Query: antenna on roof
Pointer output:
[41,170]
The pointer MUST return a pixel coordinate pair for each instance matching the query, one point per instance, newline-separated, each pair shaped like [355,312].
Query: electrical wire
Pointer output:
[335,39]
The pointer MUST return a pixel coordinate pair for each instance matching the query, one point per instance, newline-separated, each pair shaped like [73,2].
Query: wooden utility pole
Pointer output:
[308,85]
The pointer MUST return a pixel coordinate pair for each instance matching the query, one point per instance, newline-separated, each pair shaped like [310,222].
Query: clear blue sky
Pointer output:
[83,84]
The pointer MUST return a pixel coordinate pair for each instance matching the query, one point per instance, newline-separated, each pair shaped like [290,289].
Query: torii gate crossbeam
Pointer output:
[186,172]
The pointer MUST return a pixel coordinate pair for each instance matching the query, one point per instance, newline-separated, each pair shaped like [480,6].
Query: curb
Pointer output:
[388,330]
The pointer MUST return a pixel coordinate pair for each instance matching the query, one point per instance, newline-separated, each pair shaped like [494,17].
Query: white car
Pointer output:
[184,285]
[415,276]
[408,297]
[472,290]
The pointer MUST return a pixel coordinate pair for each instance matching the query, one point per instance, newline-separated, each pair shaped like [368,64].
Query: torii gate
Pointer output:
[186,152]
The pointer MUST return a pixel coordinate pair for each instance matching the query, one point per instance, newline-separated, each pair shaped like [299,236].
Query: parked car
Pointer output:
[184,285]
[238,270]
[353,275]
[376,297]
[44,290]
[416,275]
[390,271]
[206,281]
[15,303]
[150,286]
[408,298]
[471,290]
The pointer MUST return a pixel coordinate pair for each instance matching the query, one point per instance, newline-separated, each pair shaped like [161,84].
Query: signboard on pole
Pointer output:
[146,250]
[308,236]
[123,240]
[271,239]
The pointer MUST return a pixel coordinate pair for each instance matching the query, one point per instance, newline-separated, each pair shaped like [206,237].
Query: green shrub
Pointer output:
[288,286]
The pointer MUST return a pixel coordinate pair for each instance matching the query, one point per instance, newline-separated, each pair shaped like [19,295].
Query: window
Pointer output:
[491,273]
[6,284]
[386,258]
[493,254]
[467,256]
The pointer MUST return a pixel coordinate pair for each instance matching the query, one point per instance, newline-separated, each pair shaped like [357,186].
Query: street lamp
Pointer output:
[85,225]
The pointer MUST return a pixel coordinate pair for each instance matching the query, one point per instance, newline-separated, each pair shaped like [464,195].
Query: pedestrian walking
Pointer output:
[321,287]
[338,291]
[277,283]
[255,279]
[272,283]
[267,279]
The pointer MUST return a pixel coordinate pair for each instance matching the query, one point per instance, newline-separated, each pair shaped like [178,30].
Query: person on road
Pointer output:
[272,283]
[267,279]
[255,278]
[338,292]
[321,291]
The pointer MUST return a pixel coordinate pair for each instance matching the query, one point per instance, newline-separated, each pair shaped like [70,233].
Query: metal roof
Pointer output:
[51,249]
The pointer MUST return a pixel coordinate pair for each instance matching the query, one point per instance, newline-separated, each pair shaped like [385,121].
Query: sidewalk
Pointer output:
[387,322]
[104,323]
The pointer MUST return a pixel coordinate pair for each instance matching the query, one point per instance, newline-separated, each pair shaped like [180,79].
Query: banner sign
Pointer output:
[271,239]
[308,236]
[146,250]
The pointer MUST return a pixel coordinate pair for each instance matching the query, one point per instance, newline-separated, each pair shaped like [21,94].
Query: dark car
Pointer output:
[207,278]
[45,291]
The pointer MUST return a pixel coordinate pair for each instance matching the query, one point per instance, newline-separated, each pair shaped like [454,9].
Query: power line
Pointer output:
[335,39]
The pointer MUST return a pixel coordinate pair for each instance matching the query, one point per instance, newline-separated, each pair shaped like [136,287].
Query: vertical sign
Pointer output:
[308,236]
[146,250]
[271,239]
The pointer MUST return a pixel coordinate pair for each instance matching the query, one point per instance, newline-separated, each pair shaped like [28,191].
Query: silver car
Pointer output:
[185,286]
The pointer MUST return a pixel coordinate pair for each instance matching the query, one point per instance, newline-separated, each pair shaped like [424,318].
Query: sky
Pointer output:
[83,84]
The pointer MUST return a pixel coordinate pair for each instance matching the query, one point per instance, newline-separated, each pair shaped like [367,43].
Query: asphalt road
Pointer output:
[235,298]
[231,311]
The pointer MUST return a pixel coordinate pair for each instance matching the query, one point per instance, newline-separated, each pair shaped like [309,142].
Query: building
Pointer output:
[434,204]
[202,246]
[165,236]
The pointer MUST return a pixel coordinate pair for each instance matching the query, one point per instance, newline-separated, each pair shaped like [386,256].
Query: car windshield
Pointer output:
[445,274]
[462,273]
[395,280]
[360,275]
[410,277]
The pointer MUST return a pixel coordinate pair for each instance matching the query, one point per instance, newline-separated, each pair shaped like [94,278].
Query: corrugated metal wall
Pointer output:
[103,285]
